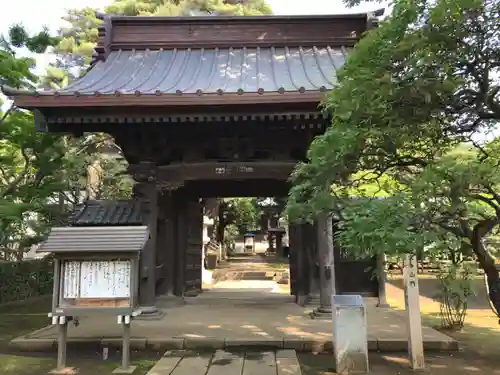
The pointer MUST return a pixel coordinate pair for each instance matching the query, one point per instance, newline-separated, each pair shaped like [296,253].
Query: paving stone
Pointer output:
[262,363]
[296,343]
[203,343]
[192,365]
[392,345]
[226,363]
[286,353]
[253,343]
[165,365]
[287,363]
[318,346]
[165,344]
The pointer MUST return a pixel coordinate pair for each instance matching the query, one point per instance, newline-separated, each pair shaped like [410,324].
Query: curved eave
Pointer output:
[32,100]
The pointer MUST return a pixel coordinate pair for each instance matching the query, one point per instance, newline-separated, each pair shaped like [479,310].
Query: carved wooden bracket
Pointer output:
[143,172]
[168,186]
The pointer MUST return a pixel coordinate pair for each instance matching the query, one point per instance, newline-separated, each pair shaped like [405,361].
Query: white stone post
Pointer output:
[412,305]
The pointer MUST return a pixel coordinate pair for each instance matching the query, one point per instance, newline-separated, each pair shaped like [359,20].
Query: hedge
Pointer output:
[25,279]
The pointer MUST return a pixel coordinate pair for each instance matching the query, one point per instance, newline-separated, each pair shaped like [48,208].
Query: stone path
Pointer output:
[229,318]
[280,362]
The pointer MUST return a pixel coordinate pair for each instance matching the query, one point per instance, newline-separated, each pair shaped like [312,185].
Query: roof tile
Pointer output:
[212,71]
[97,239]
[109,213]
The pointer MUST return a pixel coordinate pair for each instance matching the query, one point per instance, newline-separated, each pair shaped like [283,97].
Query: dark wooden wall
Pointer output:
[352,276]
[180,244]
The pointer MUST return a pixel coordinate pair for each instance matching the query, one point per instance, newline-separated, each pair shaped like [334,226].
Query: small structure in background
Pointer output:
[350,338]
[96,270]
[249,240]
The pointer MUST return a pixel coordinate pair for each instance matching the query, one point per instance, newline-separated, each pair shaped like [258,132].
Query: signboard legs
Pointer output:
[62,341]
[412,305]
[125,367]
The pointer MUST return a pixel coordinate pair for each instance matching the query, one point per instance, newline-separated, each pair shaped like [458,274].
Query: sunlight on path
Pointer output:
[247,286]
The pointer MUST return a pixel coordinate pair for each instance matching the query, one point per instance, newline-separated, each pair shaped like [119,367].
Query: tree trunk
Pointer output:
[486,261]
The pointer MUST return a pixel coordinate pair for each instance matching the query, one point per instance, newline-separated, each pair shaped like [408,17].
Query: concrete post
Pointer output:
[412,304]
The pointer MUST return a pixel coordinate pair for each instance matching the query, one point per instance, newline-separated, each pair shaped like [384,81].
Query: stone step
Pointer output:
[222,362]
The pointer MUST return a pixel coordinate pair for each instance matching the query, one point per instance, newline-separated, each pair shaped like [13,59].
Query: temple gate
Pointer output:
[207,107]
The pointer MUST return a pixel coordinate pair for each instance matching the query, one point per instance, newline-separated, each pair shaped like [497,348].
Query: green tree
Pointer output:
[36,169]
[27,159]
[412,91]
[16,71]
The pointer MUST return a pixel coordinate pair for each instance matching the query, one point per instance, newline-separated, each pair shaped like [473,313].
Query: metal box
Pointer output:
[350,339]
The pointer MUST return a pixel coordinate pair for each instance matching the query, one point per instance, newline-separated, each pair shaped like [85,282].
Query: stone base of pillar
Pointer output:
[166,301]
[150,313]
[313,300]
[193,293]
[322,314]
[301,300]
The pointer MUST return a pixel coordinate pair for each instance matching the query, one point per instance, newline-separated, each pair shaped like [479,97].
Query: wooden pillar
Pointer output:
[302,267]
[326,262]
[145,189]
[311,245]
[292,239]
[194,248]
[382,279]
[181,217]
[279,243]
[166,250]
[270,241]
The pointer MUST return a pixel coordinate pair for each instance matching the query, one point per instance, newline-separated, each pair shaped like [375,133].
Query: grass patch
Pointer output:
[25,365]
[481,332]
[20,318]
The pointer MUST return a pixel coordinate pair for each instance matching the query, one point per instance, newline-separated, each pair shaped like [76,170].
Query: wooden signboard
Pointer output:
[96,283]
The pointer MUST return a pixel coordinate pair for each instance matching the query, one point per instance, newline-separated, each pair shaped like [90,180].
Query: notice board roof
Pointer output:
[96,239]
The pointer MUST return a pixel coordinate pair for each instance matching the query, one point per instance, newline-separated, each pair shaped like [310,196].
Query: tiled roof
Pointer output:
[96,239]
[109,213]
[212,71]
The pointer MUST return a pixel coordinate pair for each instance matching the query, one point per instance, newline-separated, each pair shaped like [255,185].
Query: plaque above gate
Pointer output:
[223,171]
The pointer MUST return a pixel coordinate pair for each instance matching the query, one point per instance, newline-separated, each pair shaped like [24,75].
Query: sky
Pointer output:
[34,14]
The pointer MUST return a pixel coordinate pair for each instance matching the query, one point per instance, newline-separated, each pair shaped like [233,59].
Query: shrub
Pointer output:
[24,279]
[455,284]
